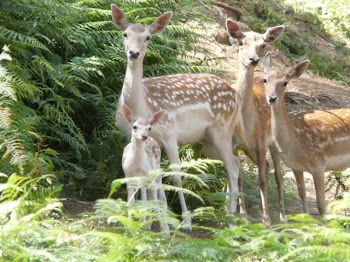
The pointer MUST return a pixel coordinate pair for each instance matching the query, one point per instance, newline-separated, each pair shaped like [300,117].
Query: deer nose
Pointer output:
[144,137]
[254,61]
[134,54]
[272,99]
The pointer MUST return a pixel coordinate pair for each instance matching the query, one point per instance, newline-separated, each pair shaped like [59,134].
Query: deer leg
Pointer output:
[144,198]
[299,179]
[242,209]
[279,180]
[223,143]
[262,176]
[162,197]
[173,155]
[263,183]
[131,197]
[210,151]
[152,192]
[143,193]
[320,192]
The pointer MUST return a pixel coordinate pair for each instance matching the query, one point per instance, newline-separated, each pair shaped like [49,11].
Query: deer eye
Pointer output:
[285,83]
[149,129]
[125,34]
[148,38]
[265,81]
[134,127]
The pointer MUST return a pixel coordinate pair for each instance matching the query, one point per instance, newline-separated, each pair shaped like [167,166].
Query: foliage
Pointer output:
[110,235]
[339,180]
[61,71]
[334,15]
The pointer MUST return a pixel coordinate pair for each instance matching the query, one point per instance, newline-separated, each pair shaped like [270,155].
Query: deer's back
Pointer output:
[326,135]
[187,92]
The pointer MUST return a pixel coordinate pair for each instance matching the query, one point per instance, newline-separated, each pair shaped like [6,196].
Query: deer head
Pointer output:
[275,81]
[251,44]
[137,36]
[141,126]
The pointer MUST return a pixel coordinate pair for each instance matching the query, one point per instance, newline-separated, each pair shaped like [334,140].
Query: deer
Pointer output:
[315,142]
[141,156]
[255,110]
[200,108]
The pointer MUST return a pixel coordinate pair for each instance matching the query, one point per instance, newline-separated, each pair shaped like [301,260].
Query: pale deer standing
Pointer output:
[255,110]
[314,142]
[199,106]
[141,156]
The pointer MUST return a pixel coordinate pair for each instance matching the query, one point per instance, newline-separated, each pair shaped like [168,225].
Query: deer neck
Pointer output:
[133,93]
[283,130]
[244,84]
[137,148]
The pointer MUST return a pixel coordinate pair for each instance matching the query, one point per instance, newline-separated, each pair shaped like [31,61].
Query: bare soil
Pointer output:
[76,208]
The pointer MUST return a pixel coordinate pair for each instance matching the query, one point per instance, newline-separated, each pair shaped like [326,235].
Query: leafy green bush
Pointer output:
[110,235]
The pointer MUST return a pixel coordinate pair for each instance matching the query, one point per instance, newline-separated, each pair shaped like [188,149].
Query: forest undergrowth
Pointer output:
[62,67]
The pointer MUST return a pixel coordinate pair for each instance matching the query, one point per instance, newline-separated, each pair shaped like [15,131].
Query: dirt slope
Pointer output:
[305,93]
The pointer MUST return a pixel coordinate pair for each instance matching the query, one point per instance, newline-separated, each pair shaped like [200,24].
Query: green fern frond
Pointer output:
[14,187]
[6,90]
[319,253]
[21,39]
[5,117]
[92,26]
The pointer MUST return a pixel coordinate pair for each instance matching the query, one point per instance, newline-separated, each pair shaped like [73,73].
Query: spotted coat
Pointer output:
[175,91]
[324,133]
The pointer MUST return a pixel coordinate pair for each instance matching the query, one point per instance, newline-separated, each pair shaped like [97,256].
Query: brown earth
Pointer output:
[76,208]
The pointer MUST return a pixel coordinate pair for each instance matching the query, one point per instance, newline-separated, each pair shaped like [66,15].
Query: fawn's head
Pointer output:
[275,81]
[137,36]
[141,126]
[251,44]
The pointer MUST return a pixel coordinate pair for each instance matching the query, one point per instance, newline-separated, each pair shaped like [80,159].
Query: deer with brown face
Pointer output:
[255,110]
[142,155]
[200,108]
[315,142]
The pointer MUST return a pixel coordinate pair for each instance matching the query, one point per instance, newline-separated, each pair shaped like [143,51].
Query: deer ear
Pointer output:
[156,117]
[233,29]
[267,62]
[160,23]
[127,114]
[273,33]
[298,70]
[119,18]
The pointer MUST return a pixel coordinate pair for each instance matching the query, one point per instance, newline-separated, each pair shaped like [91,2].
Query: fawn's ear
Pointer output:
[233,29]
[272,34]
[119,18]
[298,70]
[267,62]
[156,117]
[127,114]
[160,23]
